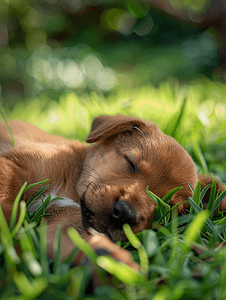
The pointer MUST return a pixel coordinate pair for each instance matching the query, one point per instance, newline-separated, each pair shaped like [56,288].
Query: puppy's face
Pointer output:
[117,171]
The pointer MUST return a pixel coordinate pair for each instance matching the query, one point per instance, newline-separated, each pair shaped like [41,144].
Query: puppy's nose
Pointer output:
[122,213]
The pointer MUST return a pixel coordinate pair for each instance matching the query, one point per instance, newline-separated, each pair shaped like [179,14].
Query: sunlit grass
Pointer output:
[71,117]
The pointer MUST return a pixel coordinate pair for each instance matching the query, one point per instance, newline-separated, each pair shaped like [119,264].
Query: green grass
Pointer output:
[180,257]
[176,260]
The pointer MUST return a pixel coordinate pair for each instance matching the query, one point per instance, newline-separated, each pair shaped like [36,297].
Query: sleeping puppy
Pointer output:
[101,186]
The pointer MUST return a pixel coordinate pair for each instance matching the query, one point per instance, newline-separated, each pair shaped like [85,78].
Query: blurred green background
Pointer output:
[63,62]
[49,46]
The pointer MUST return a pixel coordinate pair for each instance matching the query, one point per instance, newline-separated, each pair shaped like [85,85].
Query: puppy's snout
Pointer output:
[122,213]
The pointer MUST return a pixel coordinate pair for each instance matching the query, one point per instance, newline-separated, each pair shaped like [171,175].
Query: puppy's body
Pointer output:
[102,186]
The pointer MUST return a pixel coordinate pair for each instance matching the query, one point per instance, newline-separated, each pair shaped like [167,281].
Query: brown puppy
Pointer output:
[102,186]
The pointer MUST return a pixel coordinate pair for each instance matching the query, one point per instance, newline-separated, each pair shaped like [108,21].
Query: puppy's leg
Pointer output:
[205,180]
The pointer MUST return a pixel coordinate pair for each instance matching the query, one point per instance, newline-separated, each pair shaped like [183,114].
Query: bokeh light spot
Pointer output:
[145,26]
[110,17]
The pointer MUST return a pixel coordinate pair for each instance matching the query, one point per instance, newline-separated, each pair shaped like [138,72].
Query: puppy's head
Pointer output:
[128,155]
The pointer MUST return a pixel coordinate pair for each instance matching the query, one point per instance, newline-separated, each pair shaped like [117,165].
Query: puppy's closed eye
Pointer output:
[132,160]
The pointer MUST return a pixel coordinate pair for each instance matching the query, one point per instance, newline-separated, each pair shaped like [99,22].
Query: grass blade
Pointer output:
[77,283]
[35,184]
[21,218]
[162,209]
[6,240]
[15,207]
[39,213]
[217,203]
[57,260]
[26,242]
[135,242]
[120,270]
[40,192]
[33,235]
[32,264]
[43,248]
[198,210]
[191,188]
[204,191]
[28,253]
[196,195]
[209,224]
[5,120]
[30,289]
[191,233]
[219,192]
[174,123]
[170,194]
[200,157]
[212,195]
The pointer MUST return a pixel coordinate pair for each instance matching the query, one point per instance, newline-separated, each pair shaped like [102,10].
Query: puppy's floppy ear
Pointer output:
[106,126]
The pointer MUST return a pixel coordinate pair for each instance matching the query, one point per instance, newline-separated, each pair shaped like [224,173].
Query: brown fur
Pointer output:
[128,155]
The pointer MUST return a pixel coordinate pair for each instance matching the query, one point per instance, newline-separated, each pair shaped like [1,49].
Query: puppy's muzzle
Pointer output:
[121,213]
